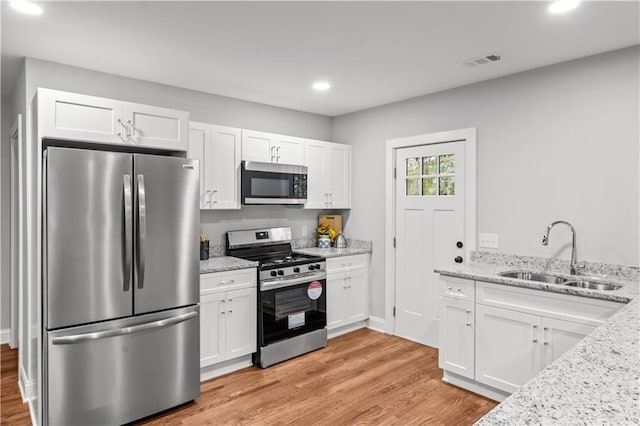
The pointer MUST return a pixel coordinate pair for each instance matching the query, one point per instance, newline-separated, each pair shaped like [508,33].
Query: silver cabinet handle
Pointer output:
[229,306]
[545,339]
[215,191]
[468,311]
[222,304]
[208,191]
[223,282]
[128,231]
[130,128]
[142,229]
[535,334]
[272,154]
[126,129]
[123,331]
[278,154]
[331,198]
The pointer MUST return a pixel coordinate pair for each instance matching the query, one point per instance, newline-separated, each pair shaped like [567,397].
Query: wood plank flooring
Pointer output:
[364,377]
[12,410]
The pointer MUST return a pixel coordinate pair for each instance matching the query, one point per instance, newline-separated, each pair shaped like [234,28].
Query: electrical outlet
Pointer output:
[488,241]
[305,230]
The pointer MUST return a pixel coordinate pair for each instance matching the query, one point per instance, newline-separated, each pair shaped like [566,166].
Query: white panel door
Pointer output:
[288,149]
[200,149]
[357,295]
[315,154]
[156,127]
[457,337]
[242,325]
[339,176]
[80,117]
[559,336]
[429,224]
[212,329]
[336,300]
[507,347]
[225,168]
[257,146]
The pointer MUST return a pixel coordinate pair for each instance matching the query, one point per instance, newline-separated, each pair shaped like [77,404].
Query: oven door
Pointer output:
[291,311]
[267,183]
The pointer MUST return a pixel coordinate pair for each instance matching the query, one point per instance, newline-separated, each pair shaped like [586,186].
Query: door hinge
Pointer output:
[394,242]
[395,172]
[394,311]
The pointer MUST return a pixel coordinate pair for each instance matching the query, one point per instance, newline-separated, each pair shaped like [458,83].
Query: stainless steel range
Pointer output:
[292,299]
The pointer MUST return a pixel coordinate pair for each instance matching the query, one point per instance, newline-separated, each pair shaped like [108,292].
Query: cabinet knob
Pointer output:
[458,259]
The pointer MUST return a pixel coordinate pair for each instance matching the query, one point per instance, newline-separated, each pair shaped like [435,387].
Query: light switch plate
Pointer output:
[488,241]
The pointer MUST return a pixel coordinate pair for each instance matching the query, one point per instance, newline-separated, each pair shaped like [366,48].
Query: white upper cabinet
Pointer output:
[72,116]
[272,148]
[328,175]
[218,149]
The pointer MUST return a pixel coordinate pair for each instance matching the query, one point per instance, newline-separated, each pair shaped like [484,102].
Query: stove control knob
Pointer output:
[273,273]
[311,267]
[296,269]
[317,266]
[280,272]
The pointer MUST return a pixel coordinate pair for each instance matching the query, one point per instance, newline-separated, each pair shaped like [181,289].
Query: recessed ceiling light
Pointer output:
[321,86]
[562,6]
[26,7]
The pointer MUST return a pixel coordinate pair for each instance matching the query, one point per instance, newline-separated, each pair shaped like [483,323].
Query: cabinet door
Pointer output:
[80,117]
[317,193]
[156,127]
[507,347]
[242,324]
[336,301]
[225,167]
[559,336]
[456,352]
[288,149]
[256,146]
[200,148]
[212,329]
[357,295]
[339,176]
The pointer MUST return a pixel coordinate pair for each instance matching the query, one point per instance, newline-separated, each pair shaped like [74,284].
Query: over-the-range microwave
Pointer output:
[273,183]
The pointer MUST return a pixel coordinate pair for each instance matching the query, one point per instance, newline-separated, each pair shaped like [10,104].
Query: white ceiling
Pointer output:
[270,52]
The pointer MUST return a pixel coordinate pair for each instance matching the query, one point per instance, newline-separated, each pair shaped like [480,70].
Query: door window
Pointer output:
[431,176]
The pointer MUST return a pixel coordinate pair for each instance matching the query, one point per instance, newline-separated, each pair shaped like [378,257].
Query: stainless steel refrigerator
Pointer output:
[120,285]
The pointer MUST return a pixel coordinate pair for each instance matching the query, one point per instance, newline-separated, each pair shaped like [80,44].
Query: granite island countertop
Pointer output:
[596,381]
[225,263]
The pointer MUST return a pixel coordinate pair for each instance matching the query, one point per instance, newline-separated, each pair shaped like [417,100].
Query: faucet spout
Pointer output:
[574,257]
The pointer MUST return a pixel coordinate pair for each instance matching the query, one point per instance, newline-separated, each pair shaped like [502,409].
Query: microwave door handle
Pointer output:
[142,229]
[128,224]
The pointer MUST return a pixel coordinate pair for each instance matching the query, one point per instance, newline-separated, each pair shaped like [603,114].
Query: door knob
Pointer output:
[458,259]
[459,244]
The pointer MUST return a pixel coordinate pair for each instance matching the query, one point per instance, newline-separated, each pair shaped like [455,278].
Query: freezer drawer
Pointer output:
[123,370]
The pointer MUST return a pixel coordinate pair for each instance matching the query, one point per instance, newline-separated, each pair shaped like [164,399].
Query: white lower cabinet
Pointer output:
[228,310]
[347,290]
[456,352]
[494,338]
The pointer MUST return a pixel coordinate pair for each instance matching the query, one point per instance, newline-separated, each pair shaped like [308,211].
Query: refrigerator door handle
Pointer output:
[67,340]
[142,230]
[128,224]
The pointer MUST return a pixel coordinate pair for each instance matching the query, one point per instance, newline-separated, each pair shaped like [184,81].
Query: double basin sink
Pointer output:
[557,279]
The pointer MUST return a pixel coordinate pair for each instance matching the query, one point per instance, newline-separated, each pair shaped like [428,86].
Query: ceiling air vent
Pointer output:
[481,60]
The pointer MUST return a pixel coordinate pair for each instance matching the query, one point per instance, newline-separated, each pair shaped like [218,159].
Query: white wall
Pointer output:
[560,142]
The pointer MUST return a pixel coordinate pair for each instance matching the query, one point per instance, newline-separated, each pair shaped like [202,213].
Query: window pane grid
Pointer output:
[430,176]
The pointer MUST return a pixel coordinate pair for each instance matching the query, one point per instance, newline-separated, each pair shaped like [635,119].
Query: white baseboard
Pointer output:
[377,324]
[4,336]
[346,329]
[473,386]
[27,387]
[211,371]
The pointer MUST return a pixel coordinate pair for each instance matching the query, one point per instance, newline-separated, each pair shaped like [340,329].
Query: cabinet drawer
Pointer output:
[583,310]
[343,263]
[227,280]
[457,288]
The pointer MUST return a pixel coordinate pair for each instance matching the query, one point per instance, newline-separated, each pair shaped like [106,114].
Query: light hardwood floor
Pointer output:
[364,377]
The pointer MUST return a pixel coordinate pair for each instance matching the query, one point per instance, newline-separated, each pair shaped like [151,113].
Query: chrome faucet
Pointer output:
[574,257]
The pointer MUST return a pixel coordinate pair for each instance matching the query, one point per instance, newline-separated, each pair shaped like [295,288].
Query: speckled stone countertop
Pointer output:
[353,247]
[224,263]
[595,382]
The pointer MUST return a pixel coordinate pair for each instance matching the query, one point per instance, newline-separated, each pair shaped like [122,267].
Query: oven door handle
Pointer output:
[271,285]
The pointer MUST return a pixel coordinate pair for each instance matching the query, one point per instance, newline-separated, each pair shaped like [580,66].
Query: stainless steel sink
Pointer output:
[534,276]
[591,285]
[555,279]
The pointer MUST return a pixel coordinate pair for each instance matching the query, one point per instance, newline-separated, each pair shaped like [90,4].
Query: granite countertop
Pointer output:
[597,381]
[332,252]
[225,263]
